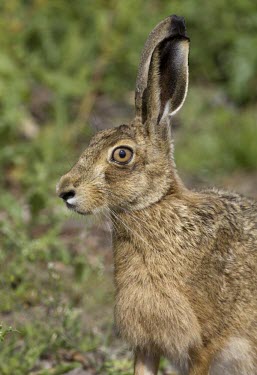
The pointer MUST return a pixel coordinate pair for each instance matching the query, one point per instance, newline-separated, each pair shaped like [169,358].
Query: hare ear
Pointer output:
[162,79]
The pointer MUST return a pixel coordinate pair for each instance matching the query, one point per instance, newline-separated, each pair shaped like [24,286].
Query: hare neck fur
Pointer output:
[159,235]
[151,267]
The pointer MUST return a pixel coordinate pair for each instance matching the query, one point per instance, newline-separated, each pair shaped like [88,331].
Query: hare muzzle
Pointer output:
[66,191]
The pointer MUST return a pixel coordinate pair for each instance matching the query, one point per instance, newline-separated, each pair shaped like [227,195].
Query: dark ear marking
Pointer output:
[178,25]
[173,78]
[163,71]
[144,105]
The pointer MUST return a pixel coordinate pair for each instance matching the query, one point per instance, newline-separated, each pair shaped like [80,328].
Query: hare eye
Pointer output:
[122,155]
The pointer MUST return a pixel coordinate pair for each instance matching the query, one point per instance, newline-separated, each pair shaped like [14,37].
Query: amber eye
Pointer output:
[122,155]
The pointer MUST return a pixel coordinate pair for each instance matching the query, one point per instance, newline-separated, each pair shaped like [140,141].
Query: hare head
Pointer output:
[131,167]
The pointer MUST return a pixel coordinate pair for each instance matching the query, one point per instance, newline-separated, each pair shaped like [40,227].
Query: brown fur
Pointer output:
[185,262]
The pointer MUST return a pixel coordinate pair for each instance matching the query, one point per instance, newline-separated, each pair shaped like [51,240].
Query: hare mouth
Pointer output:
[75,208]
[71,201]
[72,205]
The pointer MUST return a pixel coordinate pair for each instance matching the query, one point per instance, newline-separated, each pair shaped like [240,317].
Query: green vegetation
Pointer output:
[217,137]
[58,60]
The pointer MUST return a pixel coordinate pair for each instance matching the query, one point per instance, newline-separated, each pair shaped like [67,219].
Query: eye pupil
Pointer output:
[122,154]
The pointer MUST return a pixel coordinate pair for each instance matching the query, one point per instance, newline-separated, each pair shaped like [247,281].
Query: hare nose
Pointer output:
[67,195]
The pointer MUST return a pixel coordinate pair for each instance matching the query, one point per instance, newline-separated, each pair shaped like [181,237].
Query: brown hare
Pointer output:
[185,261]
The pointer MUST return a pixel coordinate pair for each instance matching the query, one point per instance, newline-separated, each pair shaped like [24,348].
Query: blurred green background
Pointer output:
[67,69]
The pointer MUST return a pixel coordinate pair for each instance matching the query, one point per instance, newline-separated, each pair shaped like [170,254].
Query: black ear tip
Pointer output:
[178,25]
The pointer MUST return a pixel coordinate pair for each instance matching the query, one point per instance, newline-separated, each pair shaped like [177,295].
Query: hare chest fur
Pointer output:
[185,262]
[150,310]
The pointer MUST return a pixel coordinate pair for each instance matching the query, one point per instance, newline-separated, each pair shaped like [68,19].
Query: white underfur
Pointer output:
[166,111]
[236,358]
[72,200]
